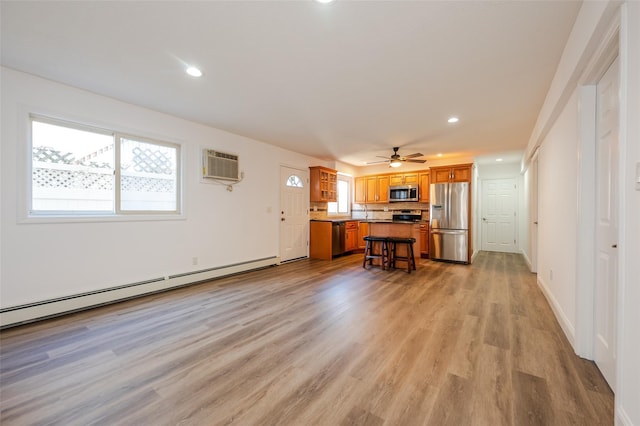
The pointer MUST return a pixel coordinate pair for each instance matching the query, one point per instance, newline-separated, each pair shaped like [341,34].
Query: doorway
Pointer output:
[499,215]
[294,213]
[607,202]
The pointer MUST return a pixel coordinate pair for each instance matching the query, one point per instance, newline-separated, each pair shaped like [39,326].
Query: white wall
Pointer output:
[557,207]
[628,392]
[556,133]
[50,260]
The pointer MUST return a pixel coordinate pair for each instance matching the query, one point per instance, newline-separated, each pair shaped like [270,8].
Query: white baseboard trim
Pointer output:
[17,315]
[622,418]
[564,322]
[526,259]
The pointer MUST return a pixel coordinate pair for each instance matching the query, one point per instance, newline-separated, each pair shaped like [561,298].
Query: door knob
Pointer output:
[484,218]
[282,219]
[614,246]
[535,223]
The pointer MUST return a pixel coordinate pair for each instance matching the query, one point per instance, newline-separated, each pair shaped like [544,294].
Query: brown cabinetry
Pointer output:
[424,240]
[457,173]
[363,231]
[375,189]
[360,190]
[423,179]
[351,236]
[323,184]
[403,179]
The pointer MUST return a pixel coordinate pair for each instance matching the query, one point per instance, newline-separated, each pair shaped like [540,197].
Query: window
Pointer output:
[294,181]
[78,170]
[342,206]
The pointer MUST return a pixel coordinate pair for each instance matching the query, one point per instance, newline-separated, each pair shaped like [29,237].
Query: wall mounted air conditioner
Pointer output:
[219,165]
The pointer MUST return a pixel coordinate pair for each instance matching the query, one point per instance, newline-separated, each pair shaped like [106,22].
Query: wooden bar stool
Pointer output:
[409,258]
[370,254]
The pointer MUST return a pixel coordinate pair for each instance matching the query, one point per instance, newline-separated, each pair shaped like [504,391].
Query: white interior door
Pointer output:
[607,222]
[499,215]
[534,214]
[294,213]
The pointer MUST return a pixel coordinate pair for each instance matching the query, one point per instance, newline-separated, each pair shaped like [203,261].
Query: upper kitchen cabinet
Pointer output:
[377,189]
[371,189]
[404,179]
[456,173]
[324,184]
[360,190]
[423,179]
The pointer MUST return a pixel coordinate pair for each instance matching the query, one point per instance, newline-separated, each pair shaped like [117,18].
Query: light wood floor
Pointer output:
[311,342]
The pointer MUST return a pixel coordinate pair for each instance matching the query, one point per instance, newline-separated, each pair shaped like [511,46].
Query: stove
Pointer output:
[407,215]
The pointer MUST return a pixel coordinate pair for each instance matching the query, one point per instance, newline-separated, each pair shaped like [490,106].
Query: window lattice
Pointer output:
[151,161]
[71,179]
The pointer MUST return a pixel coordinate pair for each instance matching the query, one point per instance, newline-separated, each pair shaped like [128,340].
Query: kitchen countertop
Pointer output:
[421,222]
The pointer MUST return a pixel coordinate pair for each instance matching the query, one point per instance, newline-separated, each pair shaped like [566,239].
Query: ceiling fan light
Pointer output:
[395,163]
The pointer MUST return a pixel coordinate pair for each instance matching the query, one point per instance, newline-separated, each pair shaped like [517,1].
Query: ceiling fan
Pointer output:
[396,159]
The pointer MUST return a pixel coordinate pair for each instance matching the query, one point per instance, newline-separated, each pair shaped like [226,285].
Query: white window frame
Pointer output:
[40,216]
[349,181]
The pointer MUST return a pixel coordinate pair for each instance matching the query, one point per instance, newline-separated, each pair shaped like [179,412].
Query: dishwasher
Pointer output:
[338,230]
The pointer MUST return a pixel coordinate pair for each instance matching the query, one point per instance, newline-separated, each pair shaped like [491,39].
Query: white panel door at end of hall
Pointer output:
[499,215]
[294,213]
[606,223]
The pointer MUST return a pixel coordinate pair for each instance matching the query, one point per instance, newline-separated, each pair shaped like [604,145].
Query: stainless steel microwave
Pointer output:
[403,193]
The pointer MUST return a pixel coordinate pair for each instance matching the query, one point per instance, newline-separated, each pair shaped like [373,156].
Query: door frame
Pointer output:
[516,209]
[584,343]
[305,176]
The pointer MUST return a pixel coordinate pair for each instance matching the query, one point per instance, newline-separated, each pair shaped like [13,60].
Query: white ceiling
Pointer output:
[345,81]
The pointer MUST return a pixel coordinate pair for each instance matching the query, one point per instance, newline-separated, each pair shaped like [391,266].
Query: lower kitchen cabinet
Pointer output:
[424,240]
[363,231]
[320,240]
[351,236]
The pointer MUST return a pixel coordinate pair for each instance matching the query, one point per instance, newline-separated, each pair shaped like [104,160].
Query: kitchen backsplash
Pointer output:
[370,211]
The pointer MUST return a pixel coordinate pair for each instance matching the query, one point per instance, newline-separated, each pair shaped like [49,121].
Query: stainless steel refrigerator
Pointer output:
[449,221]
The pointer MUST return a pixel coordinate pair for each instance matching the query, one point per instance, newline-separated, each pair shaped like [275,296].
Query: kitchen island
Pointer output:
[389,228]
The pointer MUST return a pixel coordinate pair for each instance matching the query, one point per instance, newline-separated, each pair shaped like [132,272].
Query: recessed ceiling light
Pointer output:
[453,120]
[194,72]
[324,1]
[498,159]
[440,155]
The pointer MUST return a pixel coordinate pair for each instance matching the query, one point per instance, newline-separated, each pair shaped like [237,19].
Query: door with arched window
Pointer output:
[294,213]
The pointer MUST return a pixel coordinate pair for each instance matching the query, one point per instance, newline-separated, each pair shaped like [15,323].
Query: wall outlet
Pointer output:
[315,208]
[386,209]
[194,260]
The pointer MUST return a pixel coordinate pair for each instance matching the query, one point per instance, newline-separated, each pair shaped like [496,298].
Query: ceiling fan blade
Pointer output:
[417,154]
[415,161]
[380,156]
[377,162]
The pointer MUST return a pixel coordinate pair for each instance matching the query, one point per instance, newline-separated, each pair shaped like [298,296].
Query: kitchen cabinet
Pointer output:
[424,240]
[351,236]
[360,190]
[320,240]
[456,173]
[403,179]
[363,231]
[377,189]
[323,184]
[423,179]
[371,189]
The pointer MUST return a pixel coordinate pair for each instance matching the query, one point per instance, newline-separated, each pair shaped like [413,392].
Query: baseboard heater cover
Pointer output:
[16,315]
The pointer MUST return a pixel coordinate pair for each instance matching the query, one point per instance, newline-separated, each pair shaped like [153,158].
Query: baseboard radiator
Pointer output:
[13,316]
